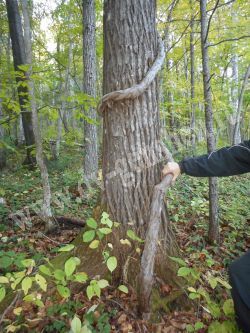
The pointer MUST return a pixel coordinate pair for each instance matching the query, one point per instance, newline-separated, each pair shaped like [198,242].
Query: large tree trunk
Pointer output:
[213,233]
[90,165]
[132,153]
[46,212]
[19,58]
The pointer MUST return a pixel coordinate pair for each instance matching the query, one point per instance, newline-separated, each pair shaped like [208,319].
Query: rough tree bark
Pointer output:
[90,164]
[213,233]
[132,150]
[19,57]
[131,144]
[46,212]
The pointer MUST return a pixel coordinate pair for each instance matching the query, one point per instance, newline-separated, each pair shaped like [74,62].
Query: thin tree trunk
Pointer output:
[46,208]
[237,135]
[66,87]
[16,34]
[213,233]
[234,96]
[90,164]
[192,81]
[2,134]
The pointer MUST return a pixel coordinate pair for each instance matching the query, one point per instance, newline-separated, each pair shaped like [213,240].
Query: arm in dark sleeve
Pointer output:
[227,161]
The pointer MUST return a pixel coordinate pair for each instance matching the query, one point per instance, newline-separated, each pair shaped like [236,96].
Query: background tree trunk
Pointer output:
[19,57]
[90,164]
[192,81]
[2,134]
[237,134]
[46,213]
[234,95]
[2,149]
[213,233]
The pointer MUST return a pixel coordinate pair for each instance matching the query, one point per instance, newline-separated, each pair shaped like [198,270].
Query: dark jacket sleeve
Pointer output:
[227,161]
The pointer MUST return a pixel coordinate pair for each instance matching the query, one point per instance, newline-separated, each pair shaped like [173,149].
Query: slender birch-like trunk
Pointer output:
[213,233]
[46,212]
[237,132]
[90,164]
[192,81]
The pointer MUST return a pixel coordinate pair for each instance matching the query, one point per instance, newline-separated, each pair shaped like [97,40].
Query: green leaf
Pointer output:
[45,270]
[106,220]
[125,242]
[199,325]
[213,282]
[15,283]
[5,261]
[105,231]
[214,309]
[131,234]
[88,236]
[92,223]
[63,291]
[40,280]
[24,67]
[66,248]
[59,274]
[4,279]
[215,327]
[2,293]
[90,292]
[94,244]
[97,289]
[224,283]
[70,266]
[81,277]
[26,284]
[184,271]
[76,325]
[228,307]
[123,288]
[179,261]
[28,262]
[112,263]
[189,328]
[103,283]
[85,329]
[193,295]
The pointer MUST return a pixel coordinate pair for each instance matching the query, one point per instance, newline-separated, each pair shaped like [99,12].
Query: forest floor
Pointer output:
[202,265]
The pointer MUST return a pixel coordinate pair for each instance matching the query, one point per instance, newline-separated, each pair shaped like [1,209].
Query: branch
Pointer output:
[228,40]
[137,89]
[210,18]
[221,5]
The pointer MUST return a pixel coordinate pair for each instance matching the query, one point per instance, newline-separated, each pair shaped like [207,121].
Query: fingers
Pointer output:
[171,168]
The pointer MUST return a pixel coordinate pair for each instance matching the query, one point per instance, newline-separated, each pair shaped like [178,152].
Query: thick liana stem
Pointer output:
[151,244]
[137,89]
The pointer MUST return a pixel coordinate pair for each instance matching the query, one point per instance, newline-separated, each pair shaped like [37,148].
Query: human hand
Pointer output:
[171,168]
